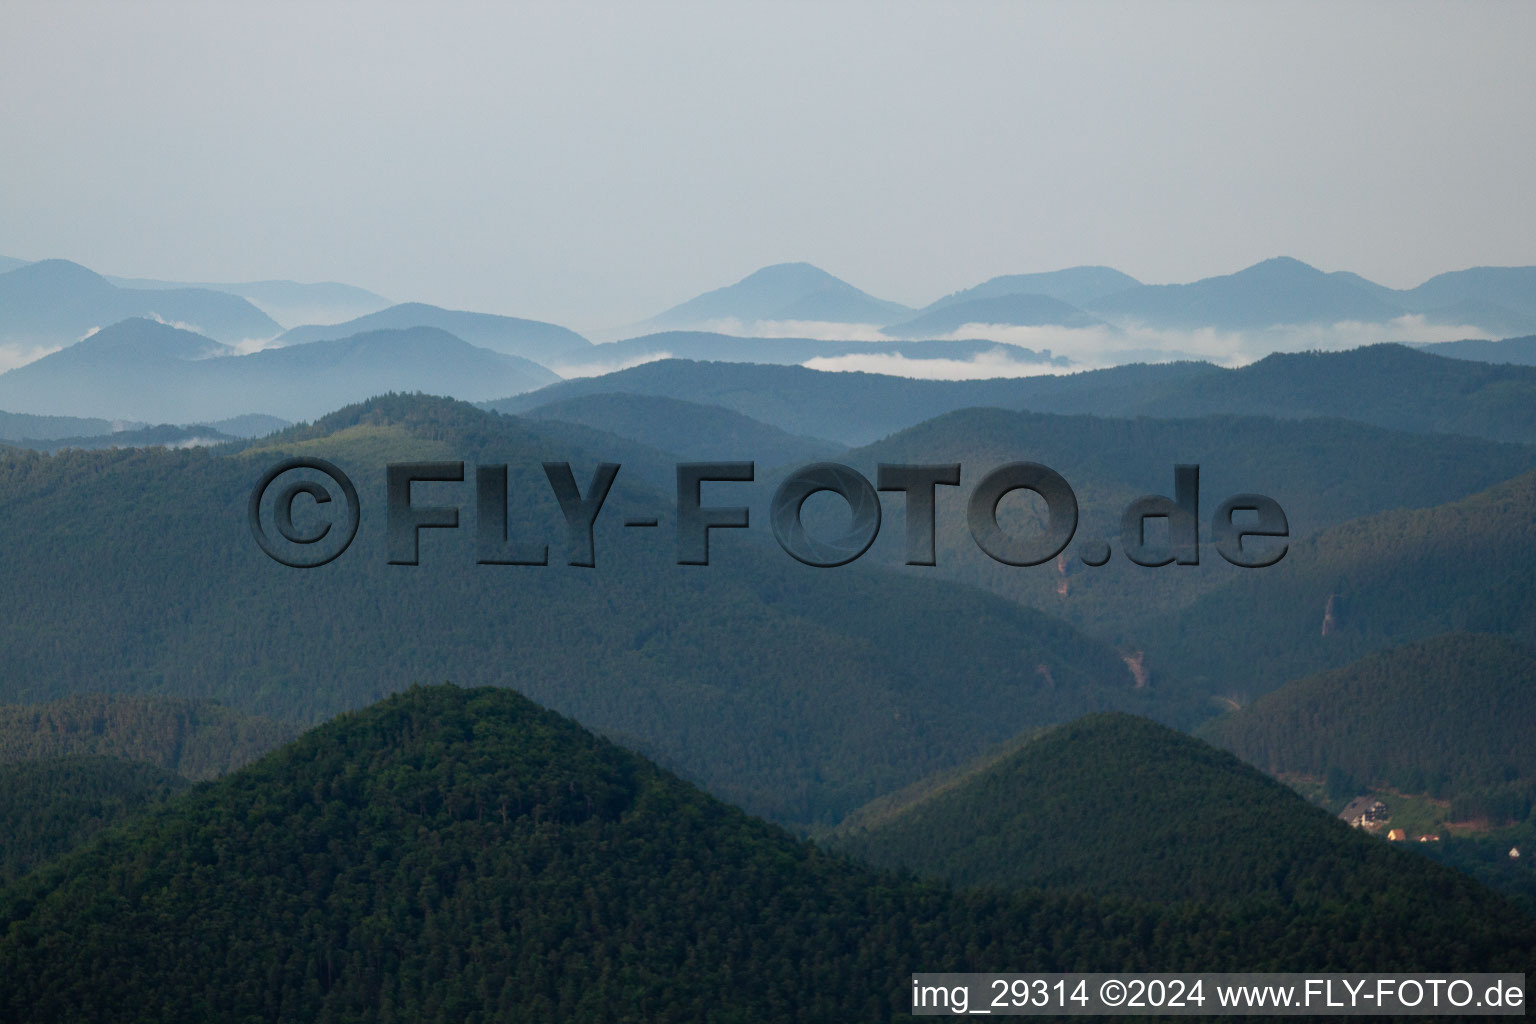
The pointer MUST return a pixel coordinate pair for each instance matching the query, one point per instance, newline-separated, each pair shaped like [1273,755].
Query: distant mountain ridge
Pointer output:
[145,370]
[56,302]
[527,339]
[1075,286]
[287,302]
[785,291]
[1015,310]
[1518,351]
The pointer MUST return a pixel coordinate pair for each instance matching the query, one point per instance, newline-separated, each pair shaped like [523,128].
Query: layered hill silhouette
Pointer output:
[785,291]
[450,849]
[1276,292]
[287,302]
[859,408]
[796,692]
[1118,805]
[535,340]
[1388,386]
[1015,310]
[56,302]
[1521,351]
[146,370]
[1076,286]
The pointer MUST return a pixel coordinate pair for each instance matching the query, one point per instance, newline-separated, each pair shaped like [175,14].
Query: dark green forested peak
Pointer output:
[1114,804]
[413,411]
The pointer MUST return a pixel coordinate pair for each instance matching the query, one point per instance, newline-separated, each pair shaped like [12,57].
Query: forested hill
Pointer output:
[1451,716]
[53,805]
[1382,581]
[797,693]
[1321,471]
[1118,805]
[455,855]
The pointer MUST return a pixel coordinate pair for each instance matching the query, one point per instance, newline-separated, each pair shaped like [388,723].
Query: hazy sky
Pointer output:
[595,164]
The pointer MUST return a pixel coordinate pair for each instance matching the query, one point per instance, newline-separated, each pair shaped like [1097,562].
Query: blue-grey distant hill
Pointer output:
[56,302]
[785,291]
[287,302]
[165,435]
[1076,286]
[1512,288]
[1517,351]
[1280,291]
[1276,291]
[252,424]
[145,370]
[1014,310]
[16,426]
[726,348]
[541,342]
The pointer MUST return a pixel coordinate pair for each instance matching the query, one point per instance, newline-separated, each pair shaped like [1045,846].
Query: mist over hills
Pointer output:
[287,302]
[1383,385]
[56,302]
[1272,293]
[527,339]
[145,370]
[858,408]
[707,346]
[447,849]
